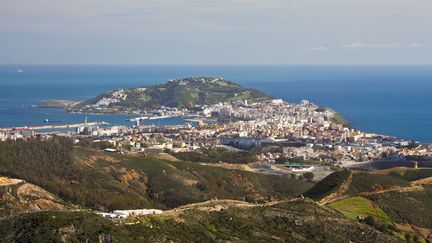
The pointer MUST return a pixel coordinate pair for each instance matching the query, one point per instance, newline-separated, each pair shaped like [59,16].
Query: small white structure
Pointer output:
[111,150]
[135,212]
[307,169]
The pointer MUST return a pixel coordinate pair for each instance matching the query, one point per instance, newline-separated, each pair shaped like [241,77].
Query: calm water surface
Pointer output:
[394,100]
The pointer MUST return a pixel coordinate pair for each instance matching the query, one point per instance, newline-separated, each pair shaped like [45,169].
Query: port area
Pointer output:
[46,127]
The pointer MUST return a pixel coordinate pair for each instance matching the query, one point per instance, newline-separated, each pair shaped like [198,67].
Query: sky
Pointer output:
[222,32]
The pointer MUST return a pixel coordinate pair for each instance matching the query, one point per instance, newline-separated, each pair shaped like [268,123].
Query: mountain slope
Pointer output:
[17,196]
[104,181]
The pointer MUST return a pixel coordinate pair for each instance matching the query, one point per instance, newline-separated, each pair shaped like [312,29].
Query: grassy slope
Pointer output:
[298,221]
[389,198]
[359,207]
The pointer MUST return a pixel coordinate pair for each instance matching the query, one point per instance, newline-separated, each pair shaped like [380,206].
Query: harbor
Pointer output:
[46,127]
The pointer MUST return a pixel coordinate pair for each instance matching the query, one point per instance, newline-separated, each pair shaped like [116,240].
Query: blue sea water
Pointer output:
[393,100]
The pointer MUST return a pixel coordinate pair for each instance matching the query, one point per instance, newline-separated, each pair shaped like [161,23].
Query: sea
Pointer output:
[391,100]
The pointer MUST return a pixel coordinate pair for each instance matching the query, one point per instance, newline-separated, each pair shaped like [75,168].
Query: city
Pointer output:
[303,137]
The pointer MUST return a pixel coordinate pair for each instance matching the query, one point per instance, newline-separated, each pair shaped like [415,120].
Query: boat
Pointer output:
[142,118]
[20,70]
[159,117]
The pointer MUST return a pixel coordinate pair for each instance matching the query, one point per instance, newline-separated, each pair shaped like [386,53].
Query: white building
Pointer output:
[121,214]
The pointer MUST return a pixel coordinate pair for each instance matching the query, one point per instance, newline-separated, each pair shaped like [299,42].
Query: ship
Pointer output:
[142,118]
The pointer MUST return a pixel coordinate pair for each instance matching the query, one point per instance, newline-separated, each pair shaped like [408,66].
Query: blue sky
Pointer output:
[216,31]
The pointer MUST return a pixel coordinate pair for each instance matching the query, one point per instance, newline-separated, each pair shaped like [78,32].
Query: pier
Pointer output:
[31,128]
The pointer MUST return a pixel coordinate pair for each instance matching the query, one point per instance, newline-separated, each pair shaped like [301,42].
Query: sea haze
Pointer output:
[393,100]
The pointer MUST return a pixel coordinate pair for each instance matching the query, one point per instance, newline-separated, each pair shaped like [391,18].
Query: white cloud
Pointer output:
[317,49]
[362,45]
[416,45]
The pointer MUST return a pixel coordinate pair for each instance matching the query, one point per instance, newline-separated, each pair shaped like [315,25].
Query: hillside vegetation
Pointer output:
[411,174]
[41,180]
[216,155]
[396,201]
[183,93]
[105,181]
[223,221]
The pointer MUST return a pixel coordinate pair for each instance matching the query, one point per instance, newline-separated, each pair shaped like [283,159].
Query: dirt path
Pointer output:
[395,189]
[423,181]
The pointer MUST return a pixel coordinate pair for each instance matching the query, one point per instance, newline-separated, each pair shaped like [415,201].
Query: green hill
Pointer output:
[388,200]
[328,185]
[106,181]
[183,93]
[348,183]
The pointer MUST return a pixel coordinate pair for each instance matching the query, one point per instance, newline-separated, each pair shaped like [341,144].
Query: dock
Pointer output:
[63,126]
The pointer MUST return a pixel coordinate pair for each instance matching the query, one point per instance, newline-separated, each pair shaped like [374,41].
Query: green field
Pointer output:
[359,207]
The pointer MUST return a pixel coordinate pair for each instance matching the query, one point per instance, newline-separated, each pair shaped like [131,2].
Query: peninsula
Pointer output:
[182,93]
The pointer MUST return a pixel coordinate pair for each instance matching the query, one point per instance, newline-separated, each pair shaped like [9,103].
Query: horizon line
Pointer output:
[192,64]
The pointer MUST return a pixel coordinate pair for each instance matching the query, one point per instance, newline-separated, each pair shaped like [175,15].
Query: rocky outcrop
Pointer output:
[17,196]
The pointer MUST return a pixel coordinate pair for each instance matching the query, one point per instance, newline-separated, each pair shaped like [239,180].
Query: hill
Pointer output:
[222,221]
[182,93]
[394,201]
[56,175]
[104,181]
